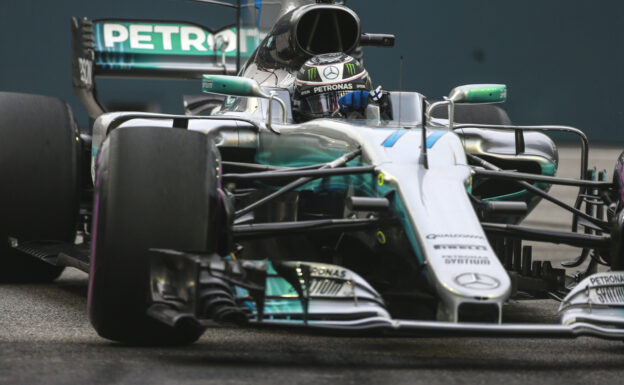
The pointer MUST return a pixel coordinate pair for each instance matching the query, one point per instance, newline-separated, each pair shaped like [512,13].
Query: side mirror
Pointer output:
[232,85]
[240,86]
[470,93]
[479,93]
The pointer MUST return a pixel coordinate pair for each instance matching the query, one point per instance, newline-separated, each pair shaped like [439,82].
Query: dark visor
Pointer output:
[322,104]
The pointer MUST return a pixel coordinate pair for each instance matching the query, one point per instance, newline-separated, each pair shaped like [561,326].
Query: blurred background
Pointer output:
[562,60]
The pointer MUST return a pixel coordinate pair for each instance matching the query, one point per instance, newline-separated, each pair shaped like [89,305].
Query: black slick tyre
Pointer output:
[155,188]
[39,192]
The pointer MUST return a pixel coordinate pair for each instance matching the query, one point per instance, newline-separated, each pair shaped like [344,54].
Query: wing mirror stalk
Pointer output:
[240,86]
[470,93]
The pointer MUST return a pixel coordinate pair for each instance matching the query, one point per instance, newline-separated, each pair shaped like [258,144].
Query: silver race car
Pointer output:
[282,199]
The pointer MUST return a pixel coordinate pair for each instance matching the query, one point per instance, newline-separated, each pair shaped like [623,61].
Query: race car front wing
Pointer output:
[210,290]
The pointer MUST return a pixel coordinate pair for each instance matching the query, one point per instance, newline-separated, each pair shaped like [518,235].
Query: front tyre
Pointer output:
[155,188]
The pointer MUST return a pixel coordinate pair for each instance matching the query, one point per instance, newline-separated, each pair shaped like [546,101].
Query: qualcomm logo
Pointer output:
[477,281]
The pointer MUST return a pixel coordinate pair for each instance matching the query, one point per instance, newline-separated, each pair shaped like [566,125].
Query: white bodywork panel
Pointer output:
[438,217]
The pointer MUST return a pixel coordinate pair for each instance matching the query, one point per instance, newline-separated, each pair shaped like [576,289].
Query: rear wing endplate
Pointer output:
[154,49]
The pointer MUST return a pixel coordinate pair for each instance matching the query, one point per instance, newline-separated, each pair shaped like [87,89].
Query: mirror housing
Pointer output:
[479,93]
[232,85]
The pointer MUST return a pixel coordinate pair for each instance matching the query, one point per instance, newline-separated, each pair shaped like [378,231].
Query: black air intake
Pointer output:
[308,31]
[478,312]
[324,30]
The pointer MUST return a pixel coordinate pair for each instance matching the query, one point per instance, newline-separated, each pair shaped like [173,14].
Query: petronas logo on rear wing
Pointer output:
[171,47]
[164,38]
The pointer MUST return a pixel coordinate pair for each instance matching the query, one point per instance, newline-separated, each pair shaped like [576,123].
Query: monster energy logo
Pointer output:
[350,67]
[312,73]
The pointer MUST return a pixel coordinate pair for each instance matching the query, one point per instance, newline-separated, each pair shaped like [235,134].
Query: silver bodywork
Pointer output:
[441,231]
[424,175]
[439,219]
[444,230]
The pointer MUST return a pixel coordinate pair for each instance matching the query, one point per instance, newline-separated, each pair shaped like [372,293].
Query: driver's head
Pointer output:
[322,80]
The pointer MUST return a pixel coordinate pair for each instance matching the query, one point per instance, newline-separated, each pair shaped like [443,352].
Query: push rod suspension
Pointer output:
[255,167]
[528,186]
[278,228]
[323,172]
[540,178]
[549,236]
[297,183]
[519,132]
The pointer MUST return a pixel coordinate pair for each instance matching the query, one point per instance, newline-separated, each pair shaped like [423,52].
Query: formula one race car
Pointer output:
[238,212]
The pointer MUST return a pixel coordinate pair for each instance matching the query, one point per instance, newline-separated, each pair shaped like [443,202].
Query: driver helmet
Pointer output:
[322,80]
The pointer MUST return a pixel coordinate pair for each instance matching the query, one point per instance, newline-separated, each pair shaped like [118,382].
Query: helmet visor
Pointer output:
[321,105]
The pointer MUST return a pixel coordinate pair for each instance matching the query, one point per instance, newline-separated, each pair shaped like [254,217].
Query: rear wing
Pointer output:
[155,49]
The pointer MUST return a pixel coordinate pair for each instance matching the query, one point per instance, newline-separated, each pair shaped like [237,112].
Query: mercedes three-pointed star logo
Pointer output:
[331,72]
[477,281]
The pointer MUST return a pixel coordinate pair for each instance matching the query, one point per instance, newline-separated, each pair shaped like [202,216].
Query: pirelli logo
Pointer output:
[459,247]
[312,73]
[350,68]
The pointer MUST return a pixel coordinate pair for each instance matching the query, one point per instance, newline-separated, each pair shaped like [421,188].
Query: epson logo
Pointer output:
[333,87]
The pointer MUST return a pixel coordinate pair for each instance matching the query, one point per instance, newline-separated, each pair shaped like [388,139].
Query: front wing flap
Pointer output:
[331,298]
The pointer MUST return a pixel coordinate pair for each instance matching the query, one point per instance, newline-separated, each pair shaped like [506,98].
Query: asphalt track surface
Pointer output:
[46,338]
